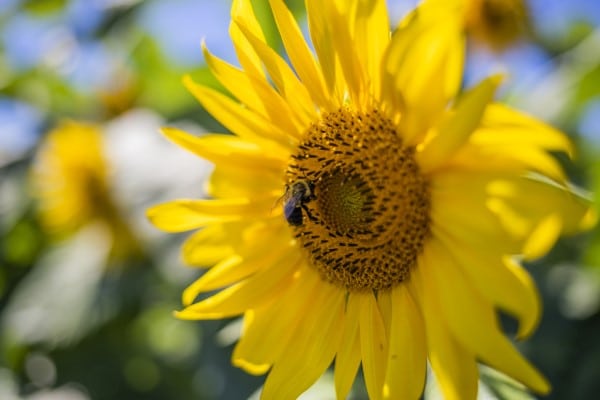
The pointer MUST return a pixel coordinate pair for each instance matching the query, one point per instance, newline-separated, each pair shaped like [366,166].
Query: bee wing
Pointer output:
[289,206]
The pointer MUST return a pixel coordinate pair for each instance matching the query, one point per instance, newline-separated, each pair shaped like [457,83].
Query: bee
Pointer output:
[295,198]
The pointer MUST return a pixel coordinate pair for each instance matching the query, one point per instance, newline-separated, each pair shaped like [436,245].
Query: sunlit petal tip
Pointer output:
[192,315]
[189,295]
[488,86]
[454,131]
[188,82]
[543,237]
[526,329]
[182,314]
[176,216]
[539,384]
[238,7]
[205,51]
[529,321]
[173,134]
[251,368]
[545,387]
[497,79]
[189,142]
[159,216]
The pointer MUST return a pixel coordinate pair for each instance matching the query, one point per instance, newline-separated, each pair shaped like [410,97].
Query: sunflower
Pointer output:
[70,179]
[498,24]
[361,214]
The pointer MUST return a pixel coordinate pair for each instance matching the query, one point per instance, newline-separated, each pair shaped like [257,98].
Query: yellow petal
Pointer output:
[255,320]
[250,293]
[210,245]
[406,365]
[265,337]
[458,200]
[542,237]
[508,157]
[256,93]
[322,40]
[238,119]
[499,278]
[312,348]
[348,357]
[183,215]
[422,68]
[226,265]
[454,366]
[241,10]
[341,17]
[230,180]
[371,37]
[504,209]
[503,125]
[373,345]
[384,303]
[524,203]
[283,77]
[473,322]
[455,129]
[227,149]
[300,55]
[218,241]
[266,253]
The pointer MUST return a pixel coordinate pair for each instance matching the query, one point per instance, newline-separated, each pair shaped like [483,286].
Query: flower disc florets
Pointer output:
[369,216]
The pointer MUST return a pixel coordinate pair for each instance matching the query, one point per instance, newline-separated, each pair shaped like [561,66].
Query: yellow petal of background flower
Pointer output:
[406,365]
[373,345]
[348,356]
[455,129]
[312,347]
[473,322]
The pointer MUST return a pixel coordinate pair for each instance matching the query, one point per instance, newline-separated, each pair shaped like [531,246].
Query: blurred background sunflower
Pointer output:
[87,286]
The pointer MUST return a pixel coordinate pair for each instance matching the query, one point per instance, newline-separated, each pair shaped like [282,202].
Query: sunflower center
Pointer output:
[363,215]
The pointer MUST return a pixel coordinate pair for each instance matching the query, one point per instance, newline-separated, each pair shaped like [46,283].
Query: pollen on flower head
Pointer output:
[370,217]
